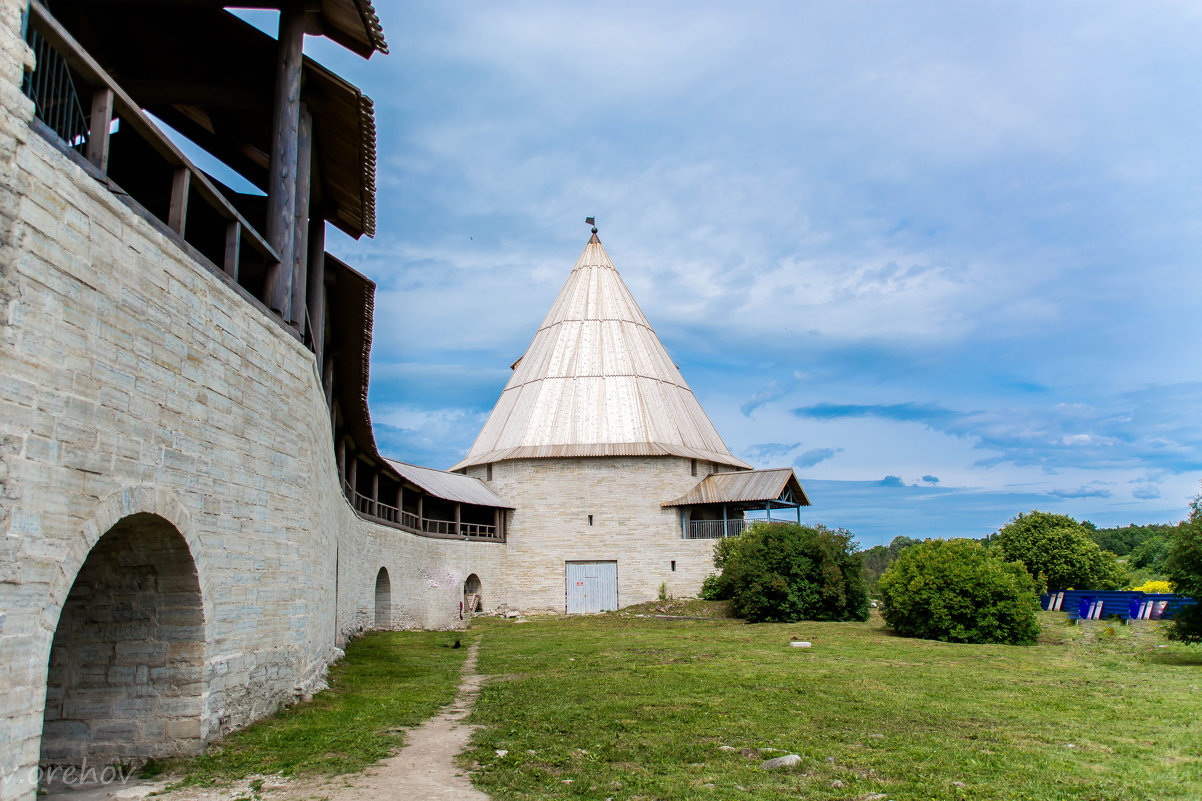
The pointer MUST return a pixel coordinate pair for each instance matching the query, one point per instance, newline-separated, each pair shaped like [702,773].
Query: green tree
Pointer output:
[1059,552]
[959,591]
[1183,566]
[878,558]
[786,572]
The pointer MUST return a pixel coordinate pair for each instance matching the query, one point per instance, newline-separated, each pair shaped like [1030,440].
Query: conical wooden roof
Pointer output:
[596,382]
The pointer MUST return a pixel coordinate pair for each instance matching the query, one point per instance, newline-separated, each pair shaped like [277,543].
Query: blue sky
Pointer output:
[942,258]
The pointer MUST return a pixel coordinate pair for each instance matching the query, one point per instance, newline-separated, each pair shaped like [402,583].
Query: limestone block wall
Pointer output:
[426,576]
[137,385]
[554,498]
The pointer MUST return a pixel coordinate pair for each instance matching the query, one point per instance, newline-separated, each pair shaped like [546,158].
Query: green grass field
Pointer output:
[622,707]
[388,681]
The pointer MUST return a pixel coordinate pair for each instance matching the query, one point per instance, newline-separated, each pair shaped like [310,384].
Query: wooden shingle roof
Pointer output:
[745,487]
[596,381]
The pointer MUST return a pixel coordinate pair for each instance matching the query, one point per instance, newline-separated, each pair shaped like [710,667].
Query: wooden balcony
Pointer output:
[384,514]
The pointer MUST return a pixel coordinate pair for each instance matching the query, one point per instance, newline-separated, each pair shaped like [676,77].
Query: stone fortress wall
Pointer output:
[165,447]
[622,494]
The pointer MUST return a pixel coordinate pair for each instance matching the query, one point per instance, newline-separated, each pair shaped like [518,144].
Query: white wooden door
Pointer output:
[591,587]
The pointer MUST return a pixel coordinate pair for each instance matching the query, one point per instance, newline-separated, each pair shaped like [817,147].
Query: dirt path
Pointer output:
[423,770]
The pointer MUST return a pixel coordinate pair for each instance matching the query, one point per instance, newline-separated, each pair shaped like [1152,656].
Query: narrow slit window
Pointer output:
[590,520]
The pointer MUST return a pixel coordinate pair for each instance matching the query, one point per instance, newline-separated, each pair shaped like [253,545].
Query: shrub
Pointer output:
[787,572]
[1060,551]
[713,588]
[959,591]
[1183,566]
[1154,586]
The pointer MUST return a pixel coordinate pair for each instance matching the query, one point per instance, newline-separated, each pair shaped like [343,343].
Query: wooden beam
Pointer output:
[281,179]
[99,124]
[457,528]
[352,475]
[375,492]
[327,378]
[300,253]
[317,286]
[340,455]
[233,248]
[177,217]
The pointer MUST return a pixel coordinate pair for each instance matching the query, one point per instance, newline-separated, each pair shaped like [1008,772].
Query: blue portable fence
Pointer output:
[1126,604]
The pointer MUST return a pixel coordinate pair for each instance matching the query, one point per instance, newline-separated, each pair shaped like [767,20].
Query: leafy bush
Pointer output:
[1059,552]
[959,591]
[713,588]
[786,572]
[1183,565]
[1155,587]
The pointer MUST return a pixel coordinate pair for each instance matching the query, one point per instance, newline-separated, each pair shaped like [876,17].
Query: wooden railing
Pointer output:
[74,81]
[379,512]
[717,529]
[714,529]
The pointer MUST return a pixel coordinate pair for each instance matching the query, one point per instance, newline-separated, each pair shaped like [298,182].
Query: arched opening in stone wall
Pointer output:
[383,600]
[473,595]
[126,671]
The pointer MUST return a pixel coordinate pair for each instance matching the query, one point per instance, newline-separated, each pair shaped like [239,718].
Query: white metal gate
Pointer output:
[592,587]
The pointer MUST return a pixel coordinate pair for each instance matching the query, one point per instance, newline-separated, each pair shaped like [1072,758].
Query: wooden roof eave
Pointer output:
[223,103]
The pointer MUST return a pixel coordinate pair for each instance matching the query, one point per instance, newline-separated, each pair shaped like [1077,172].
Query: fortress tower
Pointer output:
[591,440]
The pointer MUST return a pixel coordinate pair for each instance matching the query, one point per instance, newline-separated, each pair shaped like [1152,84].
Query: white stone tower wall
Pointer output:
[549,527]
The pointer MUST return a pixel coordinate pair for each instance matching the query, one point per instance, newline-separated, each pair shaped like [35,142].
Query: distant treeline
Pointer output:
[1143,546]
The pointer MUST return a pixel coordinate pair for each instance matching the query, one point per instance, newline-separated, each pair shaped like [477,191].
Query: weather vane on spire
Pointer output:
[591,221]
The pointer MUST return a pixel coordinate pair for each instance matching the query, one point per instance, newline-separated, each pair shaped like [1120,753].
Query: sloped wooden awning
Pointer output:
[454,487]
[214,83]
[747,489]
[352,24]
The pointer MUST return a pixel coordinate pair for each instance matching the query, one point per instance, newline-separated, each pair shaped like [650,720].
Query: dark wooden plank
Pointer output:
[177,217]
[300,253]
[316,279]
[99,123]
[281,179]
[233,248]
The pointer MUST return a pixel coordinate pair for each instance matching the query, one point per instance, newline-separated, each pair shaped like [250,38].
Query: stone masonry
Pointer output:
[554,498]
[165,449]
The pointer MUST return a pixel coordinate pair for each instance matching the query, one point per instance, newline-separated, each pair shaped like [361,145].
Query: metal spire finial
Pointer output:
[591,221]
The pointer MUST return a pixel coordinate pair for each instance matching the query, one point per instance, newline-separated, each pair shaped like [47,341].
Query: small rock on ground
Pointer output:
[786,761]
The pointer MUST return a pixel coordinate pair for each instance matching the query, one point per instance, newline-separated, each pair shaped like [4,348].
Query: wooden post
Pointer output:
[233,248]
[457,528]
[281,180]
[340,455]
[317,286]
[300,252]
[177,216]
[99,124]
[375,493]
[352,471]
[327,378]
[421,523]
[496,522]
